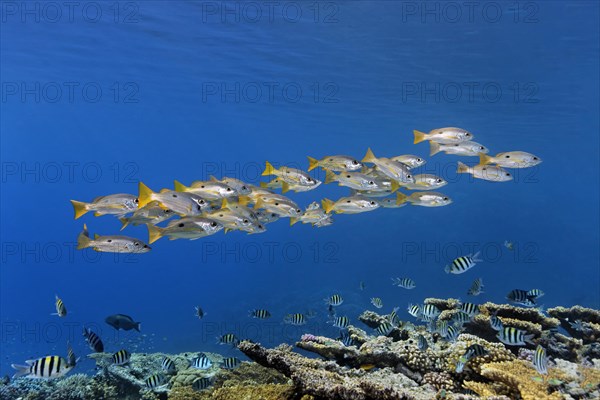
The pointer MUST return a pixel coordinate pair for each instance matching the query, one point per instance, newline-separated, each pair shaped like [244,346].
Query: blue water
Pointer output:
[154,98]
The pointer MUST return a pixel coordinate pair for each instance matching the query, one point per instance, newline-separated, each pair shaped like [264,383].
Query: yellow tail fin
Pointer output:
[154,233]
[224,203]
[269,169]
[312,163]
[401,198]
[124,221]
[434,148]
[330,176]
[462,168]
[263,185]
[144,195]
[327,205]
[285,187]
[259,203]
[369,157]
[395,186]
[180,187]
[484,159]
[83,240]
[419,136]
[80,208]
[293,221]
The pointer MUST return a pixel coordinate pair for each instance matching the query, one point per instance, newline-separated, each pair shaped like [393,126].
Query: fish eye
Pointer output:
[507,156]
[109,240]
[348,176]
[213,224]
[273,215]
[298,210]
[201,201]
[276,204]
[246,221]
[167,211]
[484,169]
[244,188]
[409,176]
[446,199]
[438,180]
[174,195]
[507,174]
[535,158]
[348,201]
[371,183]
[229,189]
[137,200]
[181,225]
[372,203]
[354,162]
[136,243]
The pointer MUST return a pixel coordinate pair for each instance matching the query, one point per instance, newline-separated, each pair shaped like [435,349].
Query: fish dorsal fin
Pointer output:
[165,190]
[96,236]
[213,179]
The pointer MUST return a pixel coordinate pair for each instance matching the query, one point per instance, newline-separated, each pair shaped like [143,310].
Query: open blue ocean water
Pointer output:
[101,95]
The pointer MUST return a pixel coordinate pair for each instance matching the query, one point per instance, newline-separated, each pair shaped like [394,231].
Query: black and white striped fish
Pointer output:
[535,294]
[429,312]
[93,340]
[453,333]
[334,300]
[540,361]
[48,367]
[385,328]
[71,357]
[228,338]
[121,357]
[295,319]
[201,362]
[463,264]
[376,301]
[61,309]
[495,322]
[474,350]
[414,310]
[341,322]
[405,283]
[201,384]
[422,343]
[394,318]
[231,362]
[521,297]
[476,286]
[461,318]
[345,338]
[168,365]
[260,314]
[155,381]
[514,337]
[470,309]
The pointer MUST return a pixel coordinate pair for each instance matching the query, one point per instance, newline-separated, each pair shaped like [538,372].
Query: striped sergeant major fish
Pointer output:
[470,309]
[93,340]
[260,314]
[121,357]
[201,362]
[495,322]
[535,294]
[405,283]
[341,322]
[295,319]
[61,310]
[201,384]
[334,300]
[463,264]
[474,350]
[228,338]
[514,337]
[168,365]
[429,312]
[231,362]
[376,301]
[414,310]
[540,361]
[156,381]
[48,367]
[521,297]
[475,289]
[384,328]
[71,357]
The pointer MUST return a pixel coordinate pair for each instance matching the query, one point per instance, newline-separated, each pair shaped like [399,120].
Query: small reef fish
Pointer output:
[394,170]
[349,205]
[93,340]
[209,190]
[231,362]
[385,328]
[201,384]
[476,287]
[514,337]
[335,163]
[410,161]
[230,220]
[426,182]
[260,314]
[334,300]
[424,199]
[155,381]
[495,322]
[279,205]
[429,312]
[181,203]
[291,175]
[61,309]
[295,319]
[228,338]
[521,297]
[121,357]
[511,159]
[414,310]
[151,213]
[470,309]
[111,243]
[462,264]
[405,283]
[474,350]
[199,312]
[535,294]
[540,361]
[313,214]
[390,202]
[422,343]
[115,204]
[376,301]
[168,365]
[122,321]
[461,318]
[485,172]
[201,362]
[241,188]
[452,333]
[191,228]
[341,322]
[358,181]
[71,357]
[49,367]
[443,135]
[460,149]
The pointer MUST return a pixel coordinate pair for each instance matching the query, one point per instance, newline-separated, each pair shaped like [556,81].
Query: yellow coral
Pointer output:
[517,375]
[482,389]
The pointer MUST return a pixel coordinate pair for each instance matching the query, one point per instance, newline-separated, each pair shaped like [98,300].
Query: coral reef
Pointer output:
[396,366]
